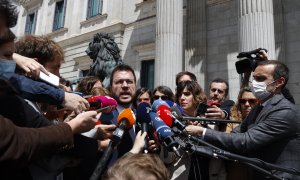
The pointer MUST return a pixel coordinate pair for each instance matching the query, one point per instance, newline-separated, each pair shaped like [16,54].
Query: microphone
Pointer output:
[177,116]
[164,133]
[158,103]
[125,120]
[210,120]
[171,104]
[142,116]
[165,114]
[104,103]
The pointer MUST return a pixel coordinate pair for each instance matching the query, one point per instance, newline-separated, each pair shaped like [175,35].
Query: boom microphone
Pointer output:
[143,117]
[210,120]
[164,133]
[98,102]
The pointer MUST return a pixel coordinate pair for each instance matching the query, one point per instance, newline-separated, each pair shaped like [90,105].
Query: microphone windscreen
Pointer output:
[170,103]
[176,112]
[128,115]
[157,103]
[104,101]
[160,127]
[164,113]
[142,113]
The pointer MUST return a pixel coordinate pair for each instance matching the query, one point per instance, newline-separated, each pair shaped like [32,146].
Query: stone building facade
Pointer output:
[160,38]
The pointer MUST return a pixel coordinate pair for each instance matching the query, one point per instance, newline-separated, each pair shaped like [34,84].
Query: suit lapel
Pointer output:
[268,108]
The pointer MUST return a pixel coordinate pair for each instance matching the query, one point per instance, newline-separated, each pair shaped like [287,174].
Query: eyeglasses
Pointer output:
[121,81]
[163,97]
[250,101]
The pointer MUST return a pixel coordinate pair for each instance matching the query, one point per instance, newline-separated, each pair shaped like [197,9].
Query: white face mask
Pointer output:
[259,90]
[7,68]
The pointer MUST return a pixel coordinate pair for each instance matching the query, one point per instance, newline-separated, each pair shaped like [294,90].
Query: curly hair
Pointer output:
[9,13]
[41,47]
[235,111]
[194,88]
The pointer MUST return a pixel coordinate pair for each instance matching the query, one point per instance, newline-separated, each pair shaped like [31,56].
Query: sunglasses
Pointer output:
[250,101]
[163,97]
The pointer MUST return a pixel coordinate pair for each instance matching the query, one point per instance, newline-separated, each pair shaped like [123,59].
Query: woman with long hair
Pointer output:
[189,95]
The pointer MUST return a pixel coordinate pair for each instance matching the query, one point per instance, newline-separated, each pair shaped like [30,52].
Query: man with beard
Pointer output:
[271,131]
[123,86]
[219,106]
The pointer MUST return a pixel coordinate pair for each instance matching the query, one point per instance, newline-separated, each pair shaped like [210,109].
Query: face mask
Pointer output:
[7,68]
[259,90]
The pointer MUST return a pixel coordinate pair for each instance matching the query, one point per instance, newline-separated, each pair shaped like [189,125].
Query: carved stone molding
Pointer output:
[93,20]
[215,2]
[30,3]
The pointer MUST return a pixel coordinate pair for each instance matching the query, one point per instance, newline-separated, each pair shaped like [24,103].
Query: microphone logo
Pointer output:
[148,109]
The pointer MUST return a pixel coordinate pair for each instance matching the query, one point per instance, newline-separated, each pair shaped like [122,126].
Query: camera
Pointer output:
[249,61]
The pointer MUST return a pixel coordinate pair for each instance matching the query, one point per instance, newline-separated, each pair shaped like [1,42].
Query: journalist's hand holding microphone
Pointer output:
[104,134]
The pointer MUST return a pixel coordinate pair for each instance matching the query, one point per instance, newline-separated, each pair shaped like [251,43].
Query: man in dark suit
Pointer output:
[271,134]
[123,86]
[219,104]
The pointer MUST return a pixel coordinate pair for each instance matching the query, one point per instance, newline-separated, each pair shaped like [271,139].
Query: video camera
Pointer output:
[249,61]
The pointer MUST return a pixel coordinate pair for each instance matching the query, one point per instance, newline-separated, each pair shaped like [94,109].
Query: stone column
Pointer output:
[168,57]
[256,26]
[195,52]
[279,30]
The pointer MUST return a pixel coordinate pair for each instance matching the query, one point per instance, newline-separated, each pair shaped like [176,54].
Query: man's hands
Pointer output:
[75,103]
[105,131]
[263,55]
[83,122]
[194,130]
[214,112]
[31,67]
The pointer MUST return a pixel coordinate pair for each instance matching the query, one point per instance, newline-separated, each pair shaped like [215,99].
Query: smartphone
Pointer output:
[51,79]
[201,109]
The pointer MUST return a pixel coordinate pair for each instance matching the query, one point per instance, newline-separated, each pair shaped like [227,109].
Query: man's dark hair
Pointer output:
[179,75]
[122,67]
[280,69]
[7,36]
[9,13]
[220,80]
